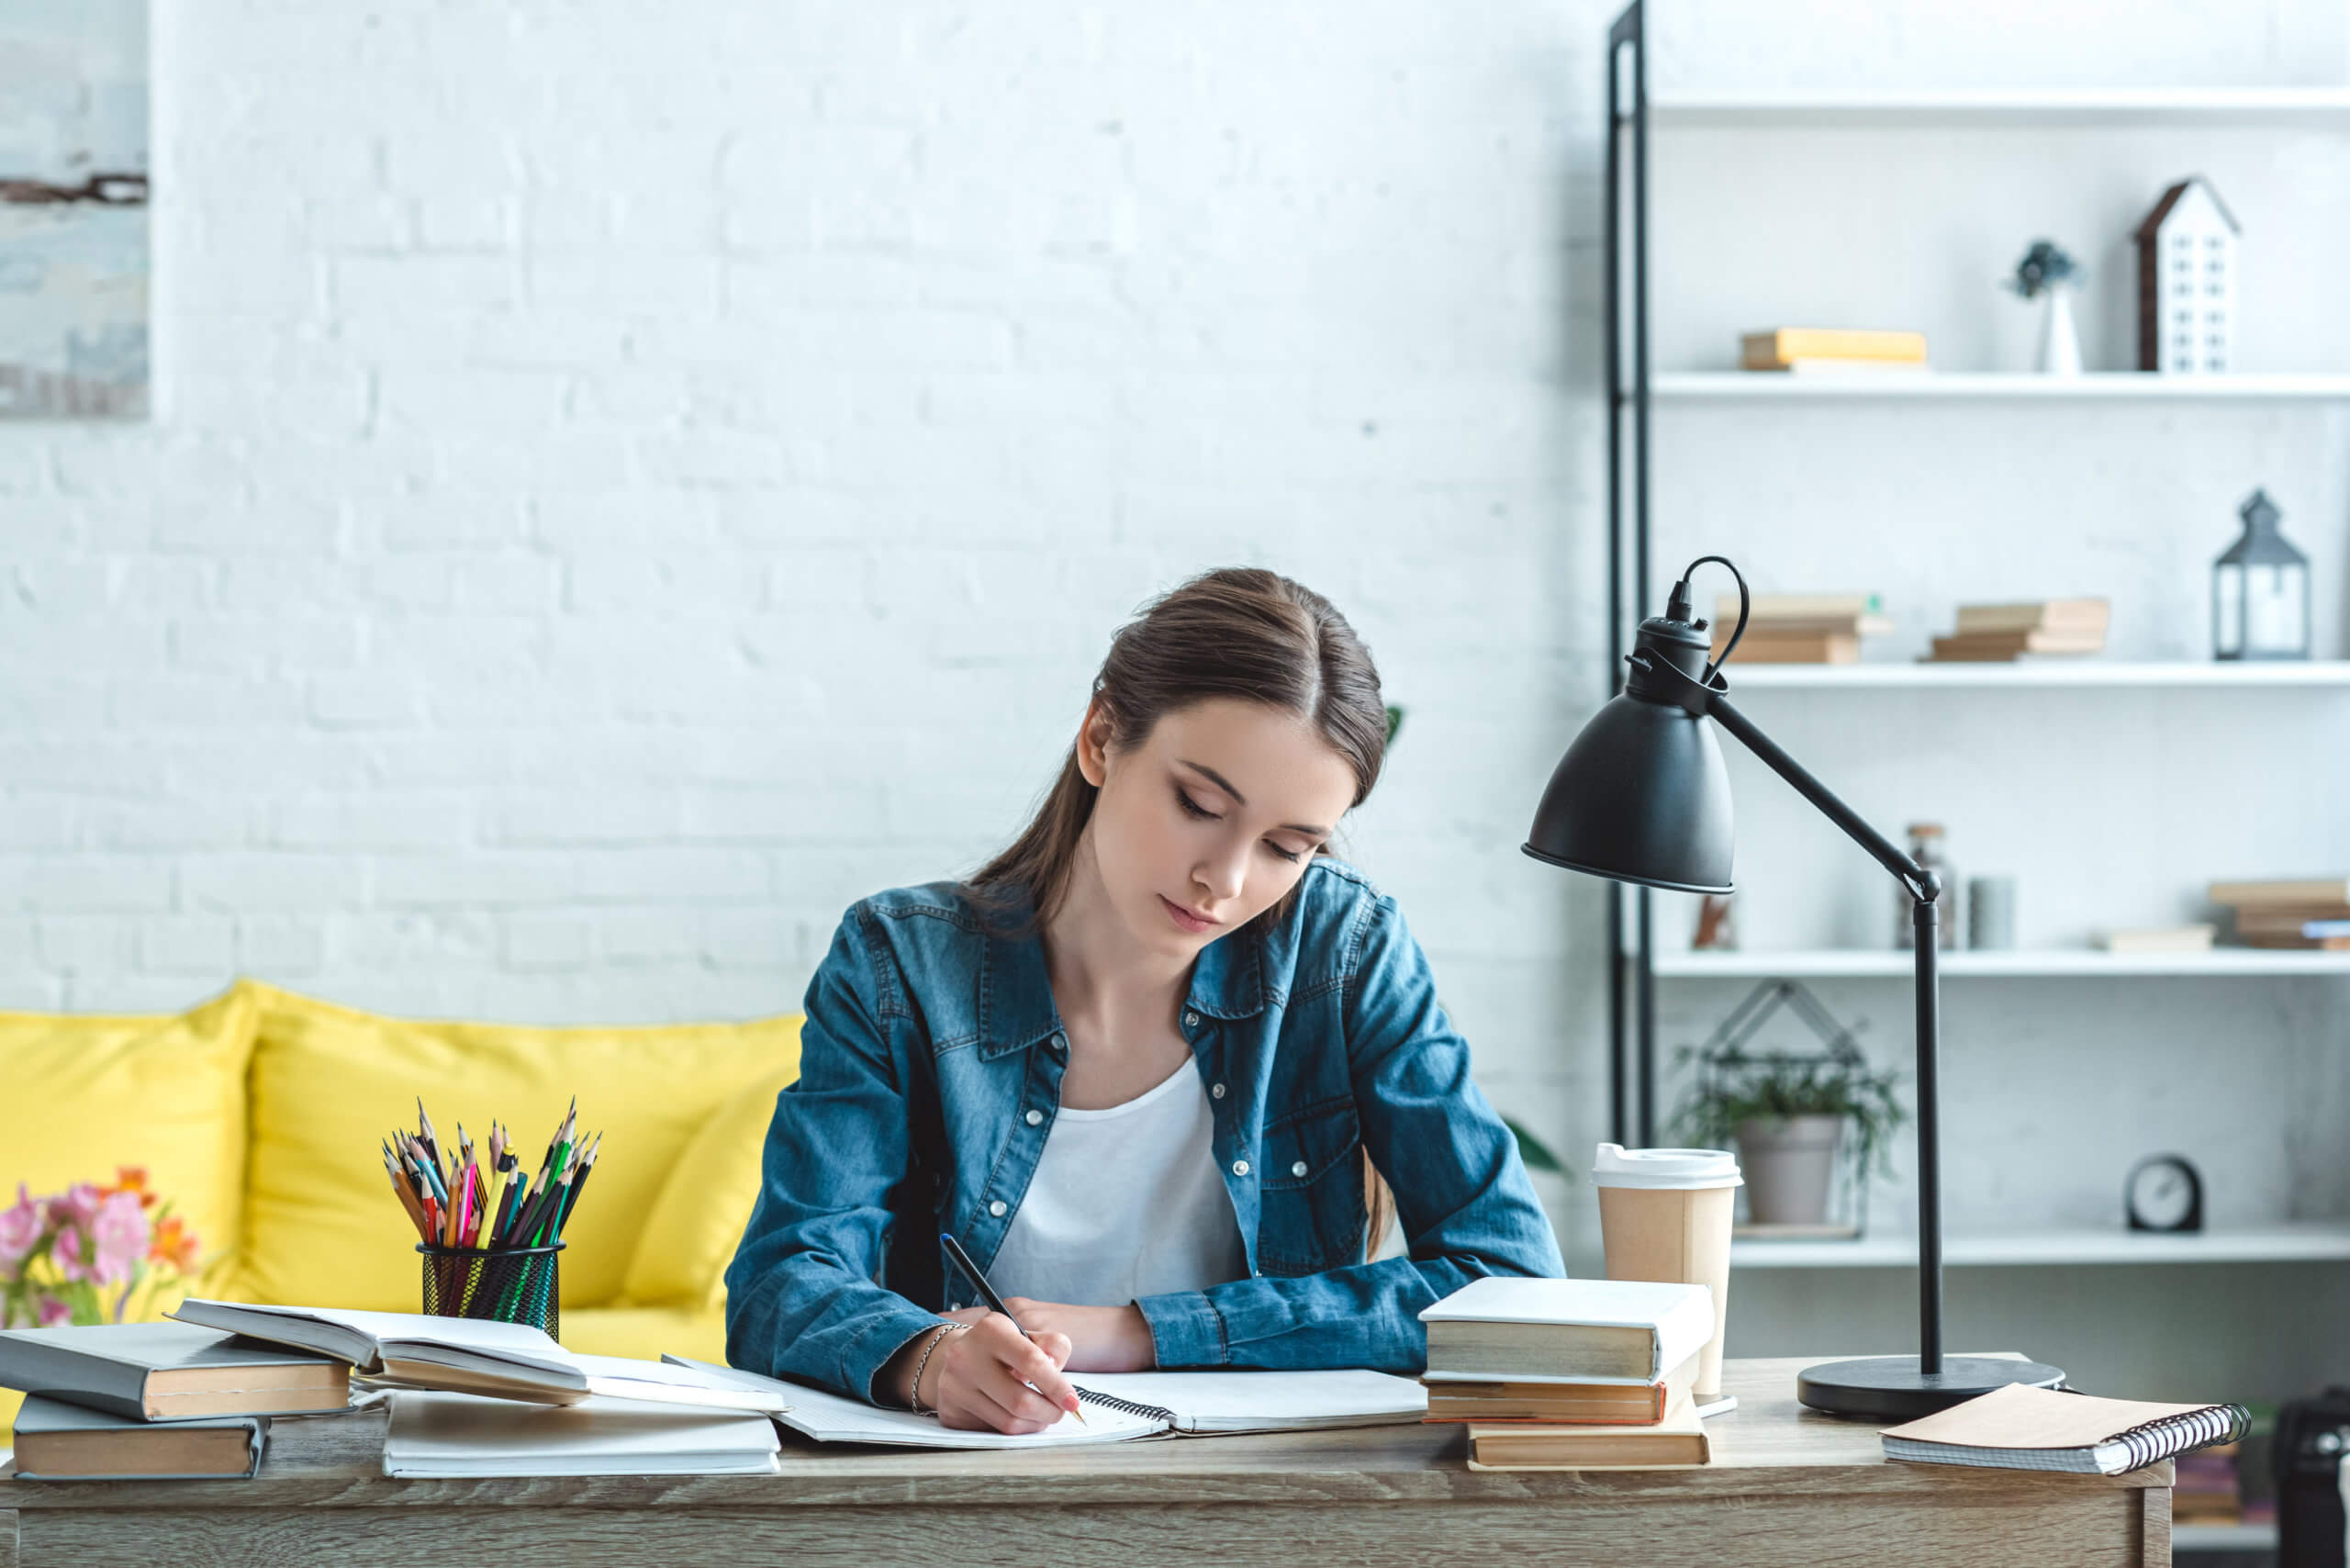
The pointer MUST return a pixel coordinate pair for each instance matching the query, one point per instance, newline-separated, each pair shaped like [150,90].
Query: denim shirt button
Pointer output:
[1298,1168]
[1191,1020]
[997,1208]
[1240,1167]
[1216,1090]
[1036,1118]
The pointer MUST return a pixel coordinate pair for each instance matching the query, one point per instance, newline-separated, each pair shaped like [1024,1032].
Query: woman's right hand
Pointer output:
[978,1378]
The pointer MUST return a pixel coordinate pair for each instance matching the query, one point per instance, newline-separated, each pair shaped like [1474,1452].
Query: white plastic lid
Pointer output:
[1672,1169]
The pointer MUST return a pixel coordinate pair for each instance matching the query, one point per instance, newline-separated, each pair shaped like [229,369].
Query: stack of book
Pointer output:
[1570,1374]
[2204,1491]
[2003,632]
[2308,913]
[1816,350]
[155,1401]
[1799,628]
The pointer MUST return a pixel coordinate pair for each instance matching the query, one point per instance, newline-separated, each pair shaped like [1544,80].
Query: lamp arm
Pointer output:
[1924,885]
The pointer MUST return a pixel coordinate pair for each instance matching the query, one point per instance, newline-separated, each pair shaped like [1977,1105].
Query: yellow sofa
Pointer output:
[258,1115]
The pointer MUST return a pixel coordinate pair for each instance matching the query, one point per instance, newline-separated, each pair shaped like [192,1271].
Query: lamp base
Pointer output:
[1891,1388]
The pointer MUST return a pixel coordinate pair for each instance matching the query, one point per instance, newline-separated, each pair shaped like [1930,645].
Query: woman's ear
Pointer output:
[1094,743]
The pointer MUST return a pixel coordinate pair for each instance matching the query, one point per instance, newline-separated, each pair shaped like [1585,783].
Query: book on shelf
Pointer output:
[168,1372]
[2159,939]
[1818,364]
[1511,1329]
[2321,921]
[1779,346]
[2298,943]
[1987,647]
[1579,1403]
[56,1441]
[1677,1443]
[1811,611]
[2330,892]
[2078,615]
[2021,1428]
[2205,1489]
[1819,648]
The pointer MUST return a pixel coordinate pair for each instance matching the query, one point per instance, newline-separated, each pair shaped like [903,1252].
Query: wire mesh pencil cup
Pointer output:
[515,1284]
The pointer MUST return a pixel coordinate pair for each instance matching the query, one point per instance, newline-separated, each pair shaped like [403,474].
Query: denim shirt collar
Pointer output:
[1016,998]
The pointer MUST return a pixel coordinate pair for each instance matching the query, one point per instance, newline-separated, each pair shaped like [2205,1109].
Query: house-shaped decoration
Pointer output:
[2187,282]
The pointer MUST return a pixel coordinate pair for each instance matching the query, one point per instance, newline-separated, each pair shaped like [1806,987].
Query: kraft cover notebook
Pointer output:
[1122,1407]
[1533,1330]
[168,1371]
[465,1355]
[57,1441]
[2020,1427]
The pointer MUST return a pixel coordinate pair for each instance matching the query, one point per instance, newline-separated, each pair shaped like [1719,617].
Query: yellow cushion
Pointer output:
[85,1095]
[647,1333]
[328,1082]
[690,1233]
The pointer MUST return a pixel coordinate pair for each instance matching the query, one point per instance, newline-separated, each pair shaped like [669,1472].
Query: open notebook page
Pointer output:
[829,1419]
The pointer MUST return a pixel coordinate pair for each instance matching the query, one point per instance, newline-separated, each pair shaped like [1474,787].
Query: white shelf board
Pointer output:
[1893,964]
[2046,673]
[2223,1538]
[1993,106]
[1943,386]
[2297,1242]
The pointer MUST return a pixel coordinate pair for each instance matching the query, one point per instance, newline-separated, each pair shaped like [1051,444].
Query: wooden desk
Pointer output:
[1787,1487]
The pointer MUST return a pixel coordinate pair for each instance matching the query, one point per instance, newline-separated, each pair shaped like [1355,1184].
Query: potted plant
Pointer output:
[2047,272]
[1787,1115]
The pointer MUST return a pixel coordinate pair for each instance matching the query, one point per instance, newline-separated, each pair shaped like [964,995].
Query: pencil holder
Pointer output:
[516,1284]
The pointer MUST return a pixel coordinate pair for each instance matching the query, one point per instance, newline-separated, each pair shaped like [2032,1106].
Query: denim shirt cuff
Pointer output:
[1186,1330]
[890,1332]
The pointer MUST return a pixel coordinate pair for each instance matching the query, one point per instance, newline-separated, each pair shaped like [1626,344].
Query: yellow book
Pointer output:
[1782,345]
[1677,1442]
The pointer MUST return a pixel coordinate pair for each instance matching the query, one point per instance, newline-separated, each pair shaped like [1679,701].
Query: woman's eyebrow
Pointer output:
[1220,782]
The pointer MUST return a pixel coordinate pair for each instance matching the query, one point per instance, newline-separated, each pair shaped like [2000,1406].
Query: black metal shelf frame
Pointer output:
[1632,1019]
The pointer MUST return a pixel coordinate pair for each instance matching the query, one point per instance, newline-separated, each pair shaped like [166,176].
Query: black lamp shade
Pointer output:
[1642,796]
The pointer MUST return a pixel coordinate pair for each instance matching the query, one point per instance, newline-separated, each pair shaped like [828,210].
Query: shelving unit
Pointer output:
[2078,963]
[2313,1242]
[2223,1538]
[2060,106]
[2052,675]
[1931,385]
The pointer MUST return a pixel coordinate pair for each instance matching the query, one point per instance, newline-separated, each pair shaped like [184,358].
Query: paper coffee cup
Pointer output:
[1664,1213]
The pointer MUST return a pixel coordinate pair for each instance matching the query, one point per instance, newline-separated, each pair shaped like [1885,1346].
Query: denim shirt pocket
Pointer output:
[1313,1216]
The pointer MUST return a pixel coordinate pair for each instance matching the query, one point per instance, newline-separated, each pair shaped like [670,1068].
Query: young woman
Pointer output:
[1148,1067]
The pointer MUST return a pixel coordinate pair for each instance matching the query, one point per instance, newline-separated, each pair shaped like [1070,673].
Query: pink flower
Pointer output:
[54,1312]
[78,1205]
[21,1225]
[120,1231]
[68,1253]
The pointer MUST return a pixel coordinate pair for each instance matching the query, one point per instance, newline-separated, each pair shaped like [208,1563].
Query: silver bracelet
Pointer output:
[913,1394]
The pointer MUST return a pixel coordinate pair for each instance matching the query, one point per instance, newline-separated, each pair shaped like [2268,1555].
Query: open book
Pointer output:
[465,1355]
[1119,1406]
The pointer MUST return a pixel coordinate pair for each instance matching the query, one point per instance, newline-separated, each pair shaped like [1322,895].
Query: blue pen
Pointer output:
[987,1293]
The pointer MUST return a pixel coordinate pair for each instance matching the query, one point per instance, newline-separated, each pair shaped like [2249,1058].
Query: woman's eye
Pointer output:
[1284,854]
[1193,807]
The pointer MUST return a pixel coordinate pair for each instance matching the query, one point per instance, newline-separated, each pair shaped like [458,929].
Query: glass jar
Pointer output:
[1926,849]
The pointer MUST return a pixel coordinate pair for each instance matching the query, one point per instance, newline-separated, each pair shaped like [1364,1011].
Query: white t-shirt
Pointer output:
[1125,1202]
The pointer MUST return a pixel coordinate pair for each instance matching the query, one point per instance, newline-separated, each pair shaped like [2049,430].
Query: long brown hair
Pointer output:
[1238,632]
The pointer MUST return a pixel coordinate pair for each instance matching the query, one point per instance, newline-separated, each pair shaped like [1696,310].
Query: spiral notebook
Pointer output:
[2018,1428]
[1119,1407]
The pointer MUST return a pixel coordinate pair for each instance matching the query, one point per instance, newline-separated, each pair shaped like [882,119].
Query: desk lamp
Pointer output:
[1642,797]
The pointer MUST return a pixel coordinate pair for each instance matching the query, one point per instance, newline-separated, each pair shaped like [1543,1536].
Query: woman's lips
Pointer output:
[1184,917]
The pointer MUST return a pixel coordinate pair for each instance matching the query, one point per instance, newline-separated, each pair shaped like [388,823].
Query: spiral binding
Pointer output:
[2171,1435]
[1127,1406]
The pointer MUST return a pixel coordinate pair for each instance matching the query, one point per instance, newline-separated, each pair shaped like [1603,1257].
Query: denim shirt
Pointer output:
[930,1072]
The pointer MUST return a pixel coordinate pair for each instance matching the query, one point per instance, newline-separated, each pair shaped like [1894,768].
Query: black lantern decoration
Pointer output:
[2260,590]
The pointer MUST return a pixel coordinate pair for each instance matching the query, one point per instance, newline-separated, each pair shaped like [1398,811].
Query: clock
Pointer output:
[2163,1193]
